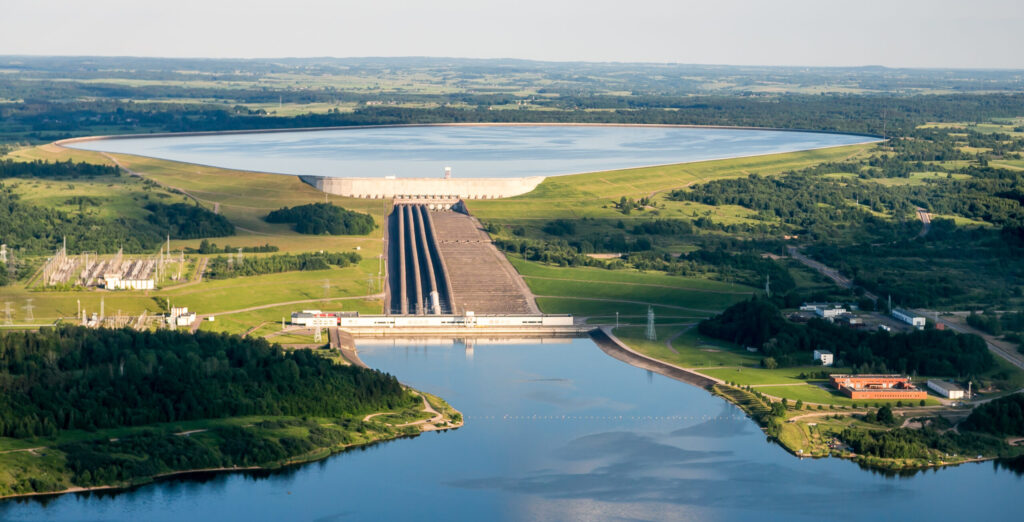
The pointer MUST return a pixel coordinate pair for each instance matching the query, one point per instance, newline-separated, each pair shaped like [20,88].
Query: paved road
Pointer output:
[826,271]
[994,345]
[926,221]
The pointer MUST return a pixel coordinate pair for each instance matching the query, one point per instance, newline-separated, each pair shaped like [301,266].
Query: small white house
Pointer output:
[917,321]
[946,389]
[826,357]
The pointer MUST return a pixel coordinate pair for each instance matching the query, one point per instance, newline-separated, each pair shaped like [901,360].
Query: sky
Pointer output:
[893,33]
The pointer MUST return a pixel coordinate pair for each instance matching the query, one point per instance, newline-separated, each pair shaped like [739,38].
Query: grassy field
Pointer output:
[246,197]
[104,197]
[593,195]
[242,197]
[599,292]
[51,152]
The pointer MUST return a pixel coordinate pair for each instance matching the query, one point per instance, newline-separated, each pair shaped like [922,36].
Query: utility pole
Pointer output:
[651,334]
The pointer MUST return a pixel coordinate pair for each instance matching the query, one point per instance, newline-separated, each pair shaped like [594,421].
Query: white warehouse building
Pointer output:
[917,321]
[946,389]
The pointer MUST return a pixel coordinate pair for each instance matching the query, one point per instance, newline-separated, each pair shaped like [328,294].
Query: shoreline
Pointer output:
[65,144]
[98,137]
[316,455]
[614,347]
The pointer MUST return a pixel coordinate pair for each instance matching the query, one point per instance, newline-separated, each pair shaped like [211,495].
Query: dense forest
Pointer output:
[184,221]
[981,433]
[323,218]
[225,267]
[1003,416]
[904,443]
[72,377]
[760,324]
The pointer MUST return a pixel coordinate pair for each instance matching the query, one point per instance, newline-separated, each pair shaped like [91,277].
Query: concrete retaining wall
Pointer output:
[428,188]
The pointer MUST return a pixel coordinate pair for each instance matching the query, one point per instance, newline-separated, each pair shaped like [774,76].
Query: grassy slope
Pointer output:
[244,198]
[587,195]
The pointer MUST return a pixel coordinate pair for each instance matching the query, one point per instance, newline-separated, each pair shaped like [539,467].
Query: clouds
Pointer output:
[916,33]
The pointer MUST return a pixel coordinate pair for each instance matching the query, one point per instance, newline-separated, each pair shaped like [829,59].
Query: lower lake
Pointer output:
[557,431]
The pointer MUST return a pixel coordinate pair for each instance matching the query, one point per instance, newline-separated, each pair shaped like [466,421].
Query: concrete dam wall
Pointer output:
[427,188]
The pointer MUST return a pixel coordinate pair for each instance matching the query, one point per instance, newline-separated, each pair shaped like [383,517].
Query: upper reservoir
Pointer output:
[557,432]
[473,151]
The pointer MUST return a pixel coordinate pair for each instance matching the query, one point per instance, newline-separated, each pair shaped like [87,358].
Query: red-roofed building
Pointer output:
[890,386]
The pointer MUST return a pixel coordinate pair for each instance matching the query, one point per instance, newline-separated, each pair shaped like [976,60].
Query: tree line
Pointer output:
[760,324]
[226,267]
[70,377]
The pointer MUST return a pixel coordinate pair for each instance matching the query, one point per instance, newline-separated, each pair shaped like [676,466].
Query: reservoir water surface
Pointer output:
[558,432]
[473,151]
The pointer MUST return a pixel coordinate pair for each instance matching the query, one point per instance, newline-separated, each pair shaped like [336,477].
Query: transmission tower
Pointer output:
[651,334]
[318,337]
[28,311]
[327,287]
[239,256]
[768,286]
[8,319]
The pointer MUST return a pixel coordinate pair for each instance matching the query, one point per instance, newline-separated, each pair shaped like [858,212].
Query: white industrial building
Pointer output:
[826,357]
[946,389]
[917,321]
[314,318]
[829,312]
[115,282]
[180,316]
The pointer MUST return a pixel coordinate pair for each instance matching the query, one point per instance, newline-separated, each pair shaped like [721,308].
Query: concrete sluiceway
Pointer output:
[442,262]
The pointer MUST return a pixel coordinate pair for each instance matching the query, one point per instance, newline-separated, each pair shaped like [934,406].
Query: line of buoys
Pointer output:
[606,417]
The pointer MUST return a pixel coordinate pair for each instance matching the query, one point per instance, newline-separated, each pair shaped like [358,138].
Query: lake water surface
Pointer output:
[559,432]
[490,151]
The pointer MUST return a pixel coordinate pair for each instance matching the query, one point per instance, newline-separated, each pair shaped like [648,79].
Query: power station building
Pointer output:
[889,386]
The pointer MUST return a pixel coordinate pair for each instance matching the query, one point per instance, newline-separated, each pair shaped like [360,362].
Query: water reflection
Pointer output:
[556,432]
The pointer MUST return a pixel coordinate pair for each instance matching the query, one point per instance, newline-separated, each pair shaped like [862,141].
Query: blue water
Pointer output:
[471,151]
[559,432]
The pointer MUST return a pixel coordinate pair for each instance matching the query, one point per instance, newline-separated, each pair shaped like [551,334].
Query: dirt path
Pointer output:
[427,408]
[28,450]
[200,318]
[673,337]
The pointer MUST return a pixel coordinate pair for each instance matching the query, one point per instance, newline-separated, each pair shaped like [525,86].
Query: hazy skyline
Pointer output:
[913,33]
